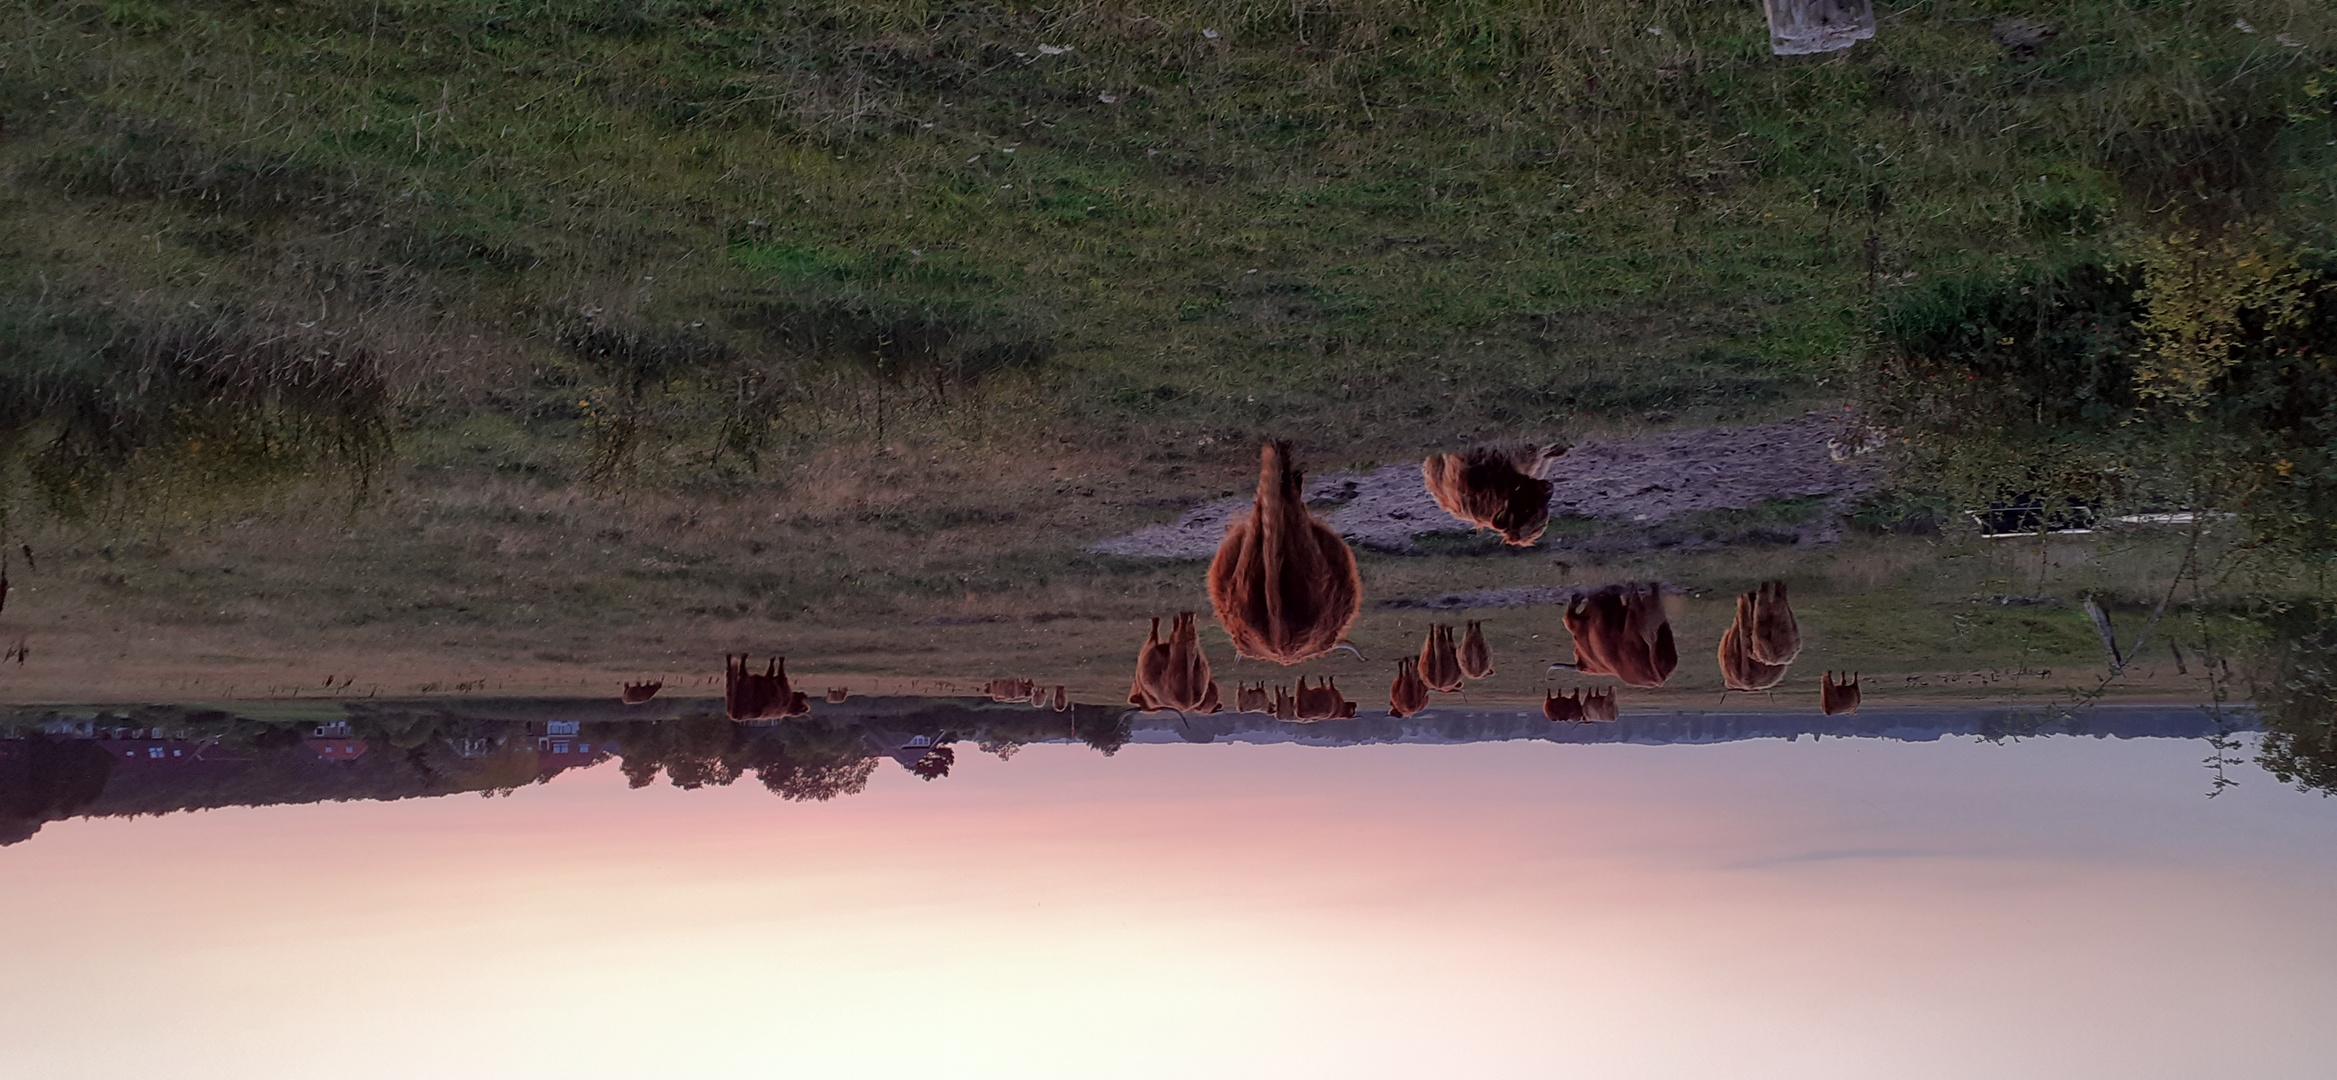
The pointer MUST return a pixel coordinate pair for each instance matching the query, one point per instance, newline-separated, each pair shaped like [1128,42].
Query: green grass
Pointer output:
[828,312]
[1410,223]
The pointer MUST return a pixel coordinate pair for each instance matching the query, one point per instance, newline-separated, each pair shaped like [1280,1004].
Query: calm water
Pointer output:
[1911,893]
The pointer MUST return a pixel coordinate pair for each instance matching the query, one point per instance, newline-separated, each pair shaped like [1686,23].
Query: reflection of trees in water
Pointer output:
[801,761]
[1105,733]
[42,779]
[53,767]
[2297,693]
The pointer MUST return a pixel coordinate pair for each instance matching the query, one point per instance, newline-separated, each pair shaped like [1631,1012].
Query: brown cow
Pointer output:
[1322,702]
[1598,706]
[1408,695]
[1011,691]
[837,695]
[1621,631]
[748,696]
[1776,637]
[1476,656]
[1838,697]
[1495,487]
[1738,669]
[1062,700]
[1562,710]
[1174,674]
[639,693]
[1285,704]
[1284,584]
[1252,699]
[1440,663]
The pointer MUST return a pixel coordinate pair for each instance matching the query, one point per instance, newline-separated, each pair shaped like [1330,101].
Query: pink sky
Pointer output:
[2060,908]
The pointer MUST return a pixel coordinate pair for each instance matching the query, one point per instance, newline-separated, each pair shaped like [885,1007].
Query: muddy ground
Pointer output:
[1610,497]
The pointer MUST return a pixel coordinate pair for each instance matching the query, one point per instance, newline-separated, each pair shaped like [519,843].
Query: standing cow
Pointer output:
[1476,656]
[1621,631]
[1284,585]
[1440,663]
[1409,694]
[1174,674]
[749,696]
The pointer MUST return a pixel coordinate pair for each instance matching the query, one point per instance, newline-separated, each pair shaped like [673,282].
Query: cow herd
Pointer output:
[1286,588]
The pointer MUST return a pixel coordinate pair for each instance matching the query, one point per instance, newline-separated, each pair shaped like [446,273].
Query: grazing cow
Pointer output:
[1776,637]
[639,693]
[1476,656]
[1440,664]
[837,695]
[1838,697]
[1322,702]
[1495,487]
[748,696]
[1738,669]
[1062,700]
[1285,705]
[1174,674]
[1252,699]
[1598,706]
[1621,631]
[1409,694]
[1562,710]
[1284,584]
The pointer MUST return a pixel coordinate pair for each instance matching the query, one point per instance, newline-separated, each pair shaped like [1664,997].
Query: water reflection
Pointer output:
[162,759]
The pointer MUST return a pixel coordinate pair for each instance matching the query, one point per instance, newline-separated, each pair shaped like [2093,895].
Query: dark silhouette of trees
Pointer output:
[42,779]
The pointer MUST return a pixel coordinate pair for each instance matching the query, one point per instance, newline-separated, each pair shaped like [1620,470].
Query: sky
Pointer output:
[2065,908]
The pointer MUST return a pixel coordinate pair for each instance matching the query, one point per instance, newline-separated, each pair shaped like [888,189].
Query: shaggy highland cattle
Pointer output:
[1440,663]
[1738,668]
[1776,637]
[1476,656]
[1174,674]
[1621,631]
[1562,710]
[1252,699]
[748,696]
[1284,585]
[1322,702]
[1835,698]
[1408,695]
[1495,487]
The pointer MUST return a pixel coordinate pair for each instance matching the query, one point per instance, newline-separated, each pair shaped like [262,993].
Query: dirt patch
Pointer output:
[1628,490]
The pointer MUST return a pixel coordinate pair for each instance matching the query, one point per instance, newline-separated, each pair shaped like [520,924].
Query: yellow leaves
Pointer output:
[2197,291]
[2284,467]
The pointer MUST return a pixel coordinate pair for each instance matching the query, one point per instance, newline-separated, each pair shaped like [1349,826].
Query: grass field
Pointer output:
[680,324]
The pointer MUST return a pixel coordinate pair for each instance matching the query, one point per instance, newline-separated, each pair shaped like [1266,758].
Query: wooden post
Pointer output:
[1800,27]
